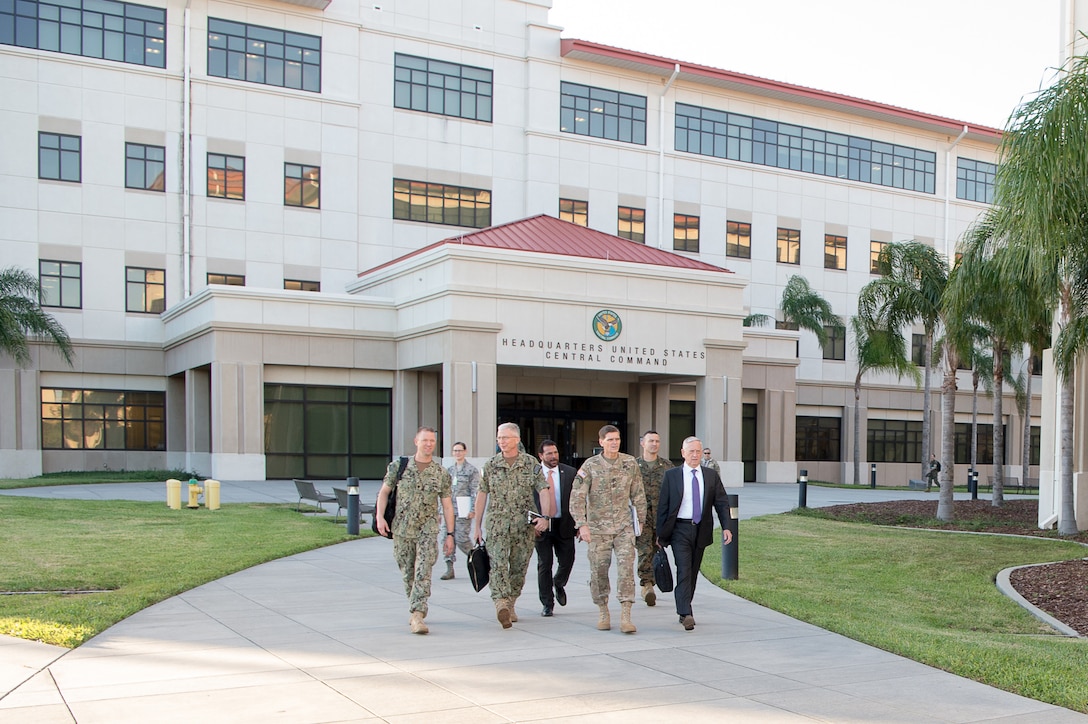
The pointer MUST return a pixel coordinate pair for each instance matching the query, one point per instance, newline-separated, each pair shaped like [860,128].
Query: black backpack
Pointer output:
[391,503]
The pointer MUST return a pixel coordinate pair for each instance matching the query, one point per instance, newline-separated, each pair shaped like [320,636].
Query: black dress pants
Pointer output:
[550,546]
[688,556]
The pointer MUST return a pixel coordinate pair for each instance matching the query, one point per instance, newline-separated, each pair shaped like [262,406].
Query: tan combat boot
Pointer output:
[416,622]
[604,622]
[449,572]
[502,613]
[513,614]
[648,594]
[625,618]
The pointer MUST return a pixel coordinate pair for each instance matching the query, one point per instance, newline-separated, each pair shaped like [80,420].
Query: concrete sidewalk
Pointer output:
[323,637]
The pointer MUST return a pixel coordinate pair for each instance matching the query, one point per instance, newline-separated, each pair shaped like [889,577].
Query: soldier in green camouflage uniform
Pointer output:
[653,470]
[506,488]
[604,490]
[424,483]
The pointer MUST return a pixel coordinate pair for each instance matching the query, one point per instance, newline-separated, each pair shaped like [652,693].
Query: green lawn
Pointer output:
[925,595]
[140,553]
[82,477]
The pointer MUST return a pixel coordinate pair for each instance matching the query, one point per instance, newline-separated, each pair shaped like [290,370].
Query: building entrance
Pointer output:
[573,422]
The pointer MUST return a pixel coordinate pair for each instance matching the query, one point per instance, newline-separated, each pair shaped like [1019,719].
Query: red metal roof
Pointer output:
[545,234]
[634,60]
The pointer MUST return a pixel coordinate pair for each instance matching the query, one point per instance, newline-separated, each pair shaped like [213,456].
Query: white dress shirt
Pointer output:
[686,505]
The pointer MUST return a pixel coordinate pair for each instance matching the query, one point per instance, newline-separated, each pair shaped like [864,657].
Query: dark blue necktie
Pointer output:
[696,502]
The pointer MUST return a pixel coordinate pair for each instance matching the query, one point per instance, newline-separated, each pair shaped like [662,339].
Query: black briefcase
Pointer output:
[662,571]
[479,567]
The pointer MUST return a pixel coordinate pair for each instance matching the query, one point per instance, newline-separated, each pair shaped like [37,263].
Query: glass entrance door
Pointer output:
[572,422]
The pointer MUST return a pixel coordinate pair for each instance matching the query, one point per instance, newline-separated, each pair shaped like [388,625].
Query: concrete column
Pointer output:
[405,410]
[662,412]
[465,411]
[237,429]
[20,441]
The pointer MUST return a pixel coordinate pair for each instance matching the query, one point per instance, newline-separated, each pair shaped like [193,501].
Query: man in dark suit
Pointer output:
[559,538]
[689,494]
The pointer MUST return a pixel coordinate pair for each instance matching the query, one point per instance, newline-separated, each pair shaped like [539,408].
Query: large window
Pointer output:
[145,167]
[327,432]
[145,290]
[264,55]
[441,204]
[819,438]
[985,442]
[894,441]
[834,252]
[685,233]
[576,212]
[1035,442]
[631,224]
[437,86]
[975,180]
[738,239]
[601,113]
[769,143]
[92,28]
[789,246]
[226,176]
[61,283]
[103,420]
[918,349]
[875,249]
[59,157]
[835,346]
[301,185]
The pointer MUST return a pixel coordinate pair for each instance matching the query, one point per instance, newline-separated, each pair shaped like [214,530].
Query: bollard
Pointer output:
[353,506]
[972,484]
[730,553]
[802,489]
[173,494]
[872,476]
[211,494]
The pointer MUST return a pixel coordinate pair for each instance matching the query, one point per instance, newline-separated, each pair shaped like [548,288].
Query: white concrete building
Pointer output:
[260,223]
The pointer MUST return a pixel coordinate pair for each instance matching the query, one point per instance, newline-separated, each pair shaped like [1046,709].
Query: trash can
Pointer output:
[173,494]
[211,494]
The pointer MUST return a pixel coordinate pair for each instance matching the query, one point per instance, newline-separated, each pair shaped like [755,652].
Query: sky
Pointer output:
[973,61]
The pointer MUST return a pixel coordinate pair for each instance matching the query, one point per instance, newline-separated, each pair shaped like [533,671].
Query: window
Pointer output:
[230,280]
[834,252]
[681,425]
[819,438]
[226,176]
[685,233]
[601,113]
[738,239]
[441,204]
[61,283]
[104,29]
[835,347]
[875,249]
[918,349]
[631,224]
[436,86]
[975,180]
[1036,364]
[301,285]
[301,185]
[103,420]
[894,441]
[264,55]
[1035,444]
[576,212]
[327,432]
[59,157]
[789,246]
[769,143]
[985,442]
[145,167]
[145,290]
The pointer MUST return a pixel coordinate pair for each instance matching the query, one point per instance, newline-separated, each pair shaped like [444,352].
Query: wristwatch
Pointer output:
[449,533]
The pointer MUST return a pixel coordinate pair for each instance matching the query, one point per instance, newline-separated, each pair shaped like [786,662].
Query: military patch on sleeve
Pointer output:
[581,473]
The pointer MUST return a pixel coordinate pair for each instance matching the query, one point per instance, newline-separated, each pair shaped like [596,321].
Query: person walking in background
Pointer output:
[506,494]
[466,483]
[424,484]
[689,494]
[653,470]
[558,540]
[934,470]
[606,502]
[710,462]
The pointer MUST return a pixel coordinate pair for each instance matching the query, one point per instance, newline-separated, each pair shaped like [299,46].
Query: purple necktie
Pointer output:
[696,503]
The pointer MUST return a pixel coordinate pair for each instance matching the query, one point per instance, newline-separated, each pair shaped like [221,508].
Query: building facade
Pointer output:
[282,235]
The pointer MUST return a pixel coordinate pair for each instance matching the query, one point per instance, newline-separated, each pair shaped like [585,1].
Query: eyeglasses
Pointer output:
[505,437]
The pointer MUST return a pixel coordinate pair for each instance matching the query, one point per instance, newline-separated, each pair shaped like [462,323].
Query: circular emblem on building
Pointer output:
[607,325]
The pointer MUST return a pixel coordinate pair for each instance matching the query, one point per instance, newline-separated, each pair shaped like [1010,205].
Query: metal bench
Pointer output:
[342,504]
[307,491]
[917,484]
[1010,482]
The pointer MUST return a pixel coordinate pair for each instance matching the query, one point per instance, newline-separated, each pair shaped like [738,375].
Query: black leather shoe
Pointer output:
[547,612]
[561,595]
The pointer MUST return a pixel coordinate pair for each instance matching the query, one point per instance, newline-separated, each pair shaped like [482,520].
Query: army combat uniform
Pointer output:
[466,481]
[415,526]
[601,498]
[509,487]
[646,543]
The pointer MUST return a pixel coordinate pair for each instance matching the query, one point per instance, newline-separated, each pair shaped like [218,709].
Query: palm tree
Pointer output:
[1042,191]
[878,348]
[912,281]
[21,315]
[802,308]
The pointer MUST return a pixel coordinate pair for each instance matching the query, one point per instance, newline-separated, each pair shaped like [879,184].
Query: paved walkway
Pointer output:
[323,637]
